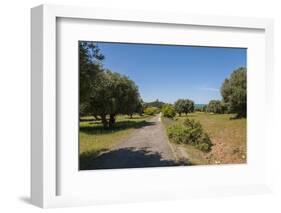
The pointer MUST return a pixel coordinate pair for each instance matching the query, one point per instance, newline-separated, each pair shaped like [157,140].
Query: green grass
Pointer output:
[227,134]
[94,139]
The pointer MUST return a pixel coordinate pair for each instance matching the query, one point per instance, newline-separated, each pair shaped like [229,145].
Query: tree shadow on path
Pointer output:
[126,158]
[120,125]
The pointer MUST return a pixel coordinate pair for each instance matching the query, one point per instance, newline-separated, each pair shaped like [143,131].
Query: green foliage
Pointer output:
[140,107]
[177,133]
[216,106]
[151,110]
[184,106]
[90,60]
[234,92]
[205,144]
[104,93]
[113,94]
[190,132]
[168,111]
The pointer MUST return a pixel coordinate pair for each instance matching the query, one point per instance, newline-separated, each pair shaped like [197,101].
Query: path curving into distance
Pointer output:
[147,146]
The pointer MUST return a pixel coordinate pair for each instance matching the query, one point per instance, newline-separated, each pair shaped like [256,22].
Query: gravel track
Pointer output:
[147,146]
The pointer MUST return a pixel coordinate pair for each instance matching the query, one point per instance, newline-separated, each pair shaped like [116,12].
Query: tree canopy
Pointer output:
[234,92]
[184,106]
[90,64]
[102,92]
[216,106]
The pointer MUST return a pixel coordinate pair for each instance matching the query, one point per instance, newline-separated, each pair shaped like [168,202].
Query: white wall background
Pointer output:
[15,104]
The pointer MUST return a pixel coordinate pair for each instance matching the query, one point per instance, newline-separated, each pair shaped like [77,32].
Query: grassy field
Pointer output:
[94,139]
[228,136]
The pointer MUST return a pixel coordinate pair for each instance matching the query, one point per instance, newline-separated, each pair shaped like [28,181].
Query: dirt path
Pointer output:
[145,147]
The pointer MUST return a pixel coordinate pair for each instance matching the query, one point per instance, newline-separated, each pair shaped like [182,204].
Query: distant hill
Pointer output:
[155,103]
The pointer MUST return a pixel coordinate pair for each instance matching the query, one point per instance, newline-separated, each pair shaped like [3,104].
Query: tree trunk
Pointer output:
[104,121]
[131,116]
[111,120]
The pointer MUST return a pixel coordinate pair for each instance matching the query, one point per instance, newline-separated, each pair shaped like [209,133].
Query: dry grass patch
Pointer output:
[228,136]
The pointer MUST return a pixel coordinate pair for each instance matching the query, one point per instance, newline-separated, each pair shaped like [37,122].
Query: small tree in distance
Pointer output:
[215,106]
[184,106]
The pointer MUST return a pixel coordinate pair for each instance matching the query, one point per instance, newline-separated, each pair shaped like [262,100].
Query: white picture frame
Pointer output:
[44,154]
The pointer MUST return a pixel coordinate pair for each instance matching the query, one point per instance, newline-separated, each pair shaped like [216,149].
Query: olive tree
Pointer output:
[103,93]
[234,92]
[90,59]
[90,65]
[184,106]
[112,94]
[215,106]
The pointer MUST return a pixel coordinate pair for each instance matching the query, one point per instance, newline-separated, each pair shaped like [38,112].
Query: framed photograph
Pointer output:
[130,106]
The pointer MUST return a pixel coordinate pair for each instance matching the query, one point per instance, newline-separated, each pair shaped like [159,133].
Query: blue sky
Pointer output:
[168,73]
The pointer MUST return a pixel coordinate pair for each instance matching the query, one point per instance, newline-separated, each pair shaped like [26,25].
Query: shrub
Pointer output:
[151,110]
[168,111]
[177,133]
[190,132]
[205,144]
